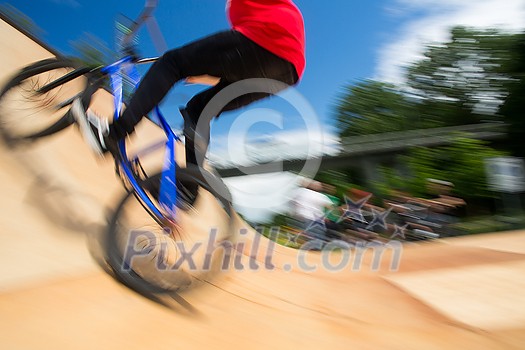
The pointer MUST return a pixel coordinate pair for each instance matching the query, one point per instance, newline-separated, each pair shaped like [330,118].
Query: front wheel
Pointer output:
[27,114]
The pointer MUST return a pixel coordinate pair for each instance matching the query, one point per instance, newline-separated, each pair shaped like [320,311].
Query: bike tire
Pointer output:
[112,245]
[25,114]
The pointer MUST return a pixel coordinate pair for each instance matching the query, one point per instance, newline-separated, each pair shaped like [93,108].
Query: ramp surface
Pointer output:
[454,294]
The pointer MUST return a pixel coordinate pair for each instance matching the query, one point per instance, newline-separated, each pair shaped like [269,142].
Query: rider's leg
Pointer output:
[228,55]
[197,118]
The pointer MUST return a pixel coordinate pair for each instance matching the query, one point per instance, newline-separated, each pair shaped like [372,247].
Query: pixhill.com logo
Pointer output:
[257,252]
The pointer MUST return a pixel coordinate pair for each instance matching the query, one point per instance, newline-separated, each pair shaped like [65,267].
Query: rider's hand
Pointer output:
[203,80]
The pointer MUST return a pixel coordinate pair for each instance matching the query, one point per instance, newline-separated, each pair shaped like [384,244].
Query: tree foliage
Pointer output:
[476,76]
[371,107]
[462,163]
[458,81]
[513,108]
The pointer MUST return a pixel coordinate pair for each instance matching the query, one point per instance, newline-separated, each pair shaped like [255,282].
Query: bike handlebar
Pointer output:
[146,13]
[151,3]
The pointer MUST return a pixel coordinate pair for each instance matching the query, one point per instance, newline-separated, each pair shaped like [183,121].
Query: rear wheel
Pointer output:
[146,255]
[27,114]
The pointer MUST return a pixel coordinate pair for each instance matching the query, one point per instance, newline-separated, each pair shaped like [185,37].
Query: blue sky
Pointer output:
[346,41]
[342,38]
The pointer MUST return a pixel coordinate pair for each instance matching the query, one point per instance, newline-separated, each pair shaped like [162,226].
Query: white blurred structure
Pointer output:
[506,174]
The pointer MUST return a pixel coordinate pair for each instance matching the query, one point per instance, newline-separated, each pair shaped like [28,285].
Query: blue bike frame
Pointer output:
[168,188]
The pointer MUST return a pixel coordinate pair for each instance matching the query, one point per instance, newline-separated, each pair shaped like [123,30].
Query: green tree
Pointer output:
[476,76]
[373,107]
[512,110]
[462,163]
[457,82]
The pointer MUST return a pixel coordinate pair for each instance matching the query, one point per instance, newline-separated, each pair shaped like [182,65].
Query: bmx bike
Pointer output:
[40,100]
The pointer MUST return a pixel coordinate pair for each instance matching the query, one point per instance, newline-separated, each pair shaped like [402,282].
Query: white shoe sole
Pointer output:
[85,128]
